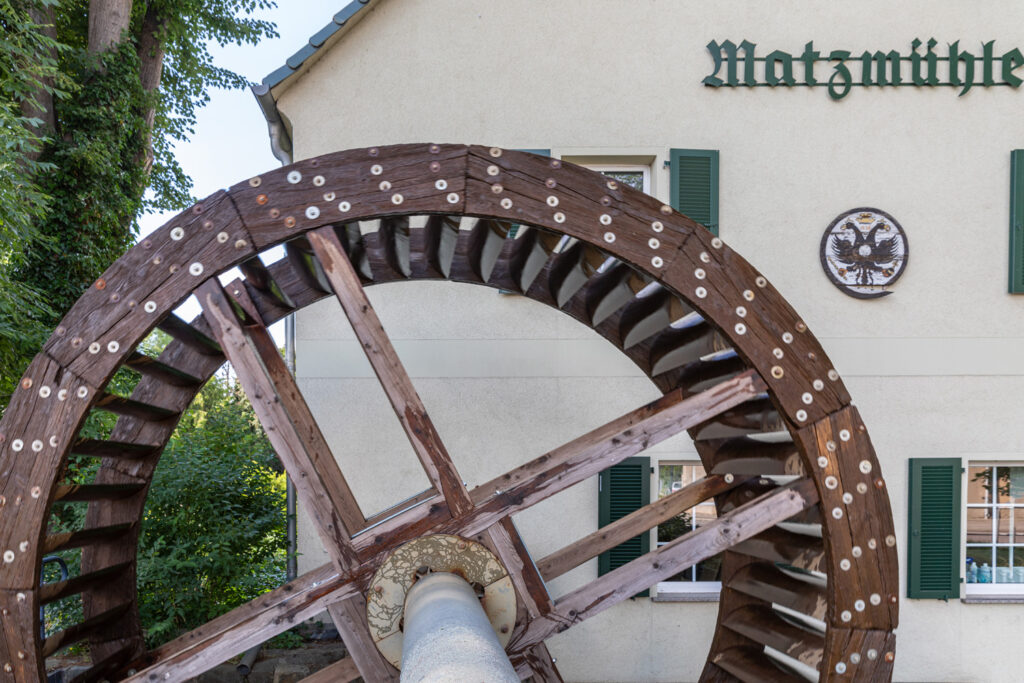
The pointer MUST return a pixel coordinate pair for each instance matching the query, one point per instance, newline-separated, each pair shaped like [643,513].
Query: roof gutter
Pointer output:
[280,140]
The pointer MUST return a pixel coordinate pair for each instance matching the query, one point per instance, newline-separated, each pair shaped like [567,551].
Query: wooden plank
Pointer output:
[243,627]
[778,545]
[257,275]
[645,571]
[389,369]
[87,536]
[599,449]
[508,545]
[427,239]
[82,630]
[763,625]
[190,336]
[633,524]
[341,671]
[48,592]
[126,406]
[152,367]
[753,666]
[350,618]
[289,424]
[105,669]
[98,448]
[86,492]
[19,634]
[765,582]
[876,650]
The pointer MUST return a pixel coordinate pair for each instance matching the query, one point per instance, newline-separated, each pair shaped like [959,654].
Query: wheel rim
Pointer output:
[613,258]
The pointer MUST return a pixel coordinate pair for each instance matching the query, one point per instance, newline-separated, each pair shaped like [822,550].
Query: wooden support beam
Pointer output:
[599,449]
[389,369]
[257,275]
[151,367]
[508,545]
[243,627]
[645,571]
[350,618]
[633,524]
[289,424]
[542,664]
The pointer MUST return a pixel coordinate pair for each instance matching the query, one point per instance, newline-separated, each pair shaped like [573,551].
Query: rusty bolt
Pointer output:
[504,628]
[101,284]
[889,656]
[378,589]
[262,199]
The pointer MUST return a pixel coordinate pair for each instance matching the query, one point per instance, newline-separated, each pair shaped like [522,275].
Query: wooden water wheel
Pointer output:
[804,514]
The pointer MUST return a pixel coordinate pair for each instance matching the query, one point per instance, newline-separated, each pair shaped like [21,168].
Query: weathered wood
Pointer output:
[687,550]
[763,625]
[48,592]
[251,624]
[105,669]
[395,380]
[350,617]
[260,278]
[87,492]
[765,582]
[190,336]
[87,536]
[387,249]
[80,631]
[341,671]
[431,246]
[777,545]
[126,406]
[508,545]
[97,448]
[289,424]
[304,264]
[542,664]
[753,666]
[147,365]
[631,525]
[601,448]
[877,650]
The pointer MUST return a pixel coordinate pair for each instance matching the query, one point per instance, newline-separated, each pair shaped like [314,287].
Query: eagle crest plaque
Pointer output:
[863,252]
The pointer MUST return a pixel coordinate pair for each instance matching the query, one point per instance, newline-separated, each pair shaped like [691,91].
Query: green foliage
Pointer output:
[213,533]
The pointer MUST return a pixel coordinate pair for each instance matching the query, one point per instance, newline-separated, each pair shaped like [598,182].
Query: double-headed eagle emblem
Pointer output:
[863,251]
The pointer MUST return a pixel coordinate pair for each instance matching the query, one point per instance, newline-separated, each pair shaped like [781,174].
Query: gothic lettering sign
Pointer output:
[863,251]
[841,70]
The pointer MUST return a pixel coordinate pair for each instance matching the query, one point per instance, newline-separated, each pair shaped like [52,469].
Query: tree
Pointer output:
[94,94]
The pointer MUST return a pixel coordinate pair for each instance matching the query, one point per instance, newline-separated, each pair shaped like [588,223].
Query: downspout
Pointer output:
[281,147]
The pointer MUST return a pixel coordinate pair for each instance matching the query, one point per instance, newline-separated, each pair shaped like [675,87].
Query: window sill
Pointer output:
[993,600]
[687,597]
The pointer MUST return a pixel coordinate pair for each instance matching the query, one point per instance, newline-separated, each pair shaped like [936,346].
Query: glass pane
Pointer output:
[1011,485]
[1018,525]
[634,179]
[675,527]
[1003,573]
[710,569]
[979,525]
[979,485]
[670,478]
[1018,564]
[979,564]
[1003,525]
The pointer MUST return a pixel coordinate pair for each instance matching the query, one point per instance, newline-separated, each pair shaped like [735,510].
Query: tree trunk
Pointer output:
[151,58]
[108,20]
[42,106]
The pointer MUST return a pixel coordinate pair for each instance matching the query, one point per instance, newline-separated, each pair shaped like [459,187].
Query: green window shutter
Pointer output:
[695,185]
[1017,221]
[624,488]
[933,554]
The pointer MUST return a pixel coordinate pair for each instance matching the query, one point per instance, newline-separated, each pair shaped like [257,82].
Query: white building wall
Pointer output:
[934,368]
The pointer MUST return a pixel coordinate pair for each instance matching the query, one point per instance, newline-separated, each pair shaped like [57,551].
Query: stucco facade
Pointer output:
[934,368]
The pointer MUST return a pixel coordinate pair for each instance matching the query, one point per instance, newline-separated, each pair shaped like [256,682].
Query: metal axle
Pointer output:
[448,638]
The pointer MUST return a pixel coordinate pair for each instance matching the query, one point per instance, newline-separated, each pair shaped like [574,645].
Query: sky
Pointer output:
[230,141]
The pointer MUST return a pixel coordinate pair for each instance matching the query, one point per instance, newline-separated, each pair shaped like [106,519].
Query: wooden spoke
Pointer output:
[350,618]
[687,550]
[289,423]
[509,547]
[392,375]
[599,449]
[542,664]
[243,627]
[633,524]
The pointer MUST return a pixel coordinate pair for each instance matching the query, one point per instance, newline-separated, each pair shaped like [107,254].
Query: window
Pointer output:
[637,176]
[994,550]
[703,577]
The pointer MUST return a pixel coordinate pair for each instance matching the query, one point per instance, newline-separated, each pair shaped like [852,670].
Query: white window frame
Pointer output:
[680,591]
[987,589]
[645,169]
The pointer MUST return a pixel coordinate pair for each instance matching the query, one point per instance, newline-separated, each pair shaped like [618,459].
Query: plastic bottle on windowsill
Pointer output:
[985,574]
[972,571]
